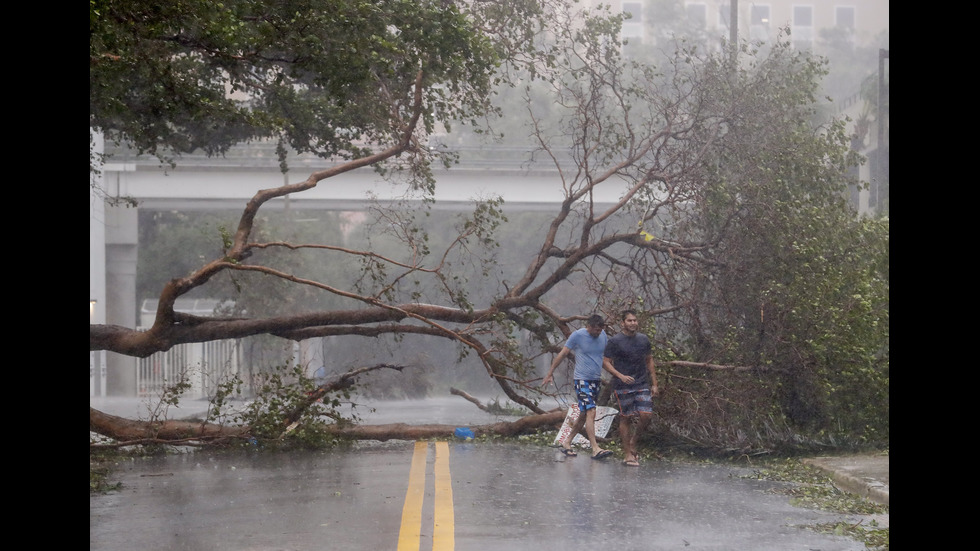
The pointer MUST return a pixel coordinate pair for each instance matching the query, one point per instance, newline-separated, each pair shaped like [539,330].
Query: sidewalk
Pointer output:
[865,475]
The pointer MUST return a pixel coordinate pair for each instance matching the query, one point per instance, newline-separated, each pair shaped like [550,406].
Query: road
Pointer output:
[441,496]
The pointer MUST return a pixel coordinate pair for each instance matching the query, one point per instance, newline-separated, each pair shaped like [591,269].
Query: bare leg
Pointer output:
[641,425]
[576,427]
[626,435]
[590,430]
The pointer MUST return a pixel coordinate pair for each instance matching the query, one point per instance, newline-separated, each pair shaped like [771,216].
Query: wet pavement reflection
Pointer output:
[506,496]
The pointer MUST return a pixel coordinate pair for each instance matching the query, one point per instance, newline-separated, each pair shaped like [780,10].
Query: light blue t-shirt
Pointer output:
[588,353]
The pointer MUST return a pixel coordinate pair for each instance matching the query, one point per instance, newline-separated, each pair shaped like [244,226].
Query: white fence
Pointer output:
[96,373]
[203,365]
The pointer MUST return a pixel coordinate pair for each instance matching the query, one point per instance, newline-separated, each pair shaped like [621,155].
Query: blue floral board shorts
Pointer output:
[634,400]
[586,392]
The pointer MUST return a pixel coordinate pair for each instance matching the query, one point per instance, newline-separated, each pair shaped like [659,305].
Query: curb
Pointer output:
[875,491]
[865,487]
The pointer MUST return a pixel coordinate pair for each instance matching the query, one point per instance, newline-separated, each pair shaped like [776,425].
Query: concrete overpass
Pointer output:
[199,182]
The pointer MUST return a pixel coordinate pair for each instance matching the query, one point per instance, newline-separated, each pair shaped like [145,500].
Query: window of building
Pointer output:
[633,27]
[759,22]
[802,30]
[697,15]
[844,20]
[844,17]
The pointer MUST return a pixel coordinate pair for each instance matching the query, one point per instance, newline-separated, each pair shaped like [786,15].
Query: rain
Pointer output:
[225,253]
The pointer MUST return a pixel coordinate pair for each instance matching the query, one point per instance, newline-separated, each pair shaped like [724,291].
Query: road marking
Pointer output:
[444,530]
[444,534]
[411,530]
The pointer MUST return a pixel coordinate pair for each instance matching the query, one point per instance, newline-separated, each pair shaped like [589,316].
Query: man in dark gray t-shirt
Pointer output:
[629,358]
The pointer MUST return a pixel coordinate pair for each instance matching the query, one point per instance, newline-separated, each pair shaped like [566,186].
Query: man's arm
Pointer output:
[652,368]
[561,356]
[607,364]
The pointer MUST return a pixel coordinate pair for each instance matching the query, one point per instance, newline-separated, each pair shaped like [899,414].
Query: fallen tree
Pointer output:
[766,298]
[197,432]
[127,432]
[402,431]
[130,432]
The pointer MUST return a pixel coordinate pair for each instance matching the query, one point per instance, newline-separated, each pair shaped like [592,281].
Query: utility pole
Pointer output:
[733,25]
[733,34]
[882,116]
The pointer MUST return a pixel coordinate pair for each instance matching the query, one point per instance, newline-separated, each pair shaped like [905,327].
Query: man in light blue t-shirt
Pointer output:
[588,344]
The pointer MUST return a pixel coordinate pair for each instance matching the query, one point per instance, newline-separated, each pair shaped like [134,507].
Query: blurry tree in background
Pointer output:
[766,297]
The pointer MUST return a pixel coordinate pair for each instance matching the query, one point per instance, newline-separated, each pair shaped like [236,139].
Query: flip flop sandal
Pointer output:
[603,454]
[568,451]
[631,463]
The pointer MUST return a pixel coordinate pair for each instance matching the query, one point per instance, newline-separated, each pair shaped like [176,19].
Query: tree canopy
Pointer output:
[335,78]
[765,295]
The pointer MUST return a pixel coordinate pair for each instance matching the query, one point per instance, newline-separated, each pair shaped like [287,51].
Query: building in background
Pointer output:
[826,28]
[861,20]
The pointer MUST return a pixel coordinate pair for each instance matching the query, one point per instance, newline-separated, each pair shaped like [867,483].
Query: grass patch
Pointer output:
[812,488]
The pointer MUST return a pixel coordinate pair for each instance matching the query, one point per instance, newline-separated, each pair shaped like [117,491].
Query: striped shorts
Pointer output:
[634,400]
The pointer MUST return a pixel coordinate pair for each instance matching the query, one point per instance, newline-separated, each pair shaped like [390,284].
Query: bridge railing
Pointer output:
[263,155]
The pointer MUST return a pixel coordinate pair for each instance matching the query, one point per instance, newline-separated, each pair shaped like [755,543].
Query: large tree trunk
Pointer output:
[127,431]
[130,432]
[402,431]
[198,433]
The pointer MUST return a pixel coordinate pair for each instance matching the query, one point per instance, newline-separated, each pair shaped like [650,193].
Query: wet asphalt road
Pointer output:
[504,497]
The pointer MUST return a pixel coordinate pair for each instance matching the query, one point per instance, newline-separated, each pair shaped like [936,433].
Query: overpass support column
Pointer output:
[122,236]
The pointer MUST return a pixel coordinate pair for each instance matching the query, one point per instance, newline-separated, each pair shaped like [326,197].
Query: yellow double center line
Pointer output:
[443,533]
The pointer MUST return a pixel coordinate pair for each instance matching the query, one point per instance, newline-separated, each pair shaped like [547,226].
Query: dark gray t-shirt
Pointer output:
[628,355]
